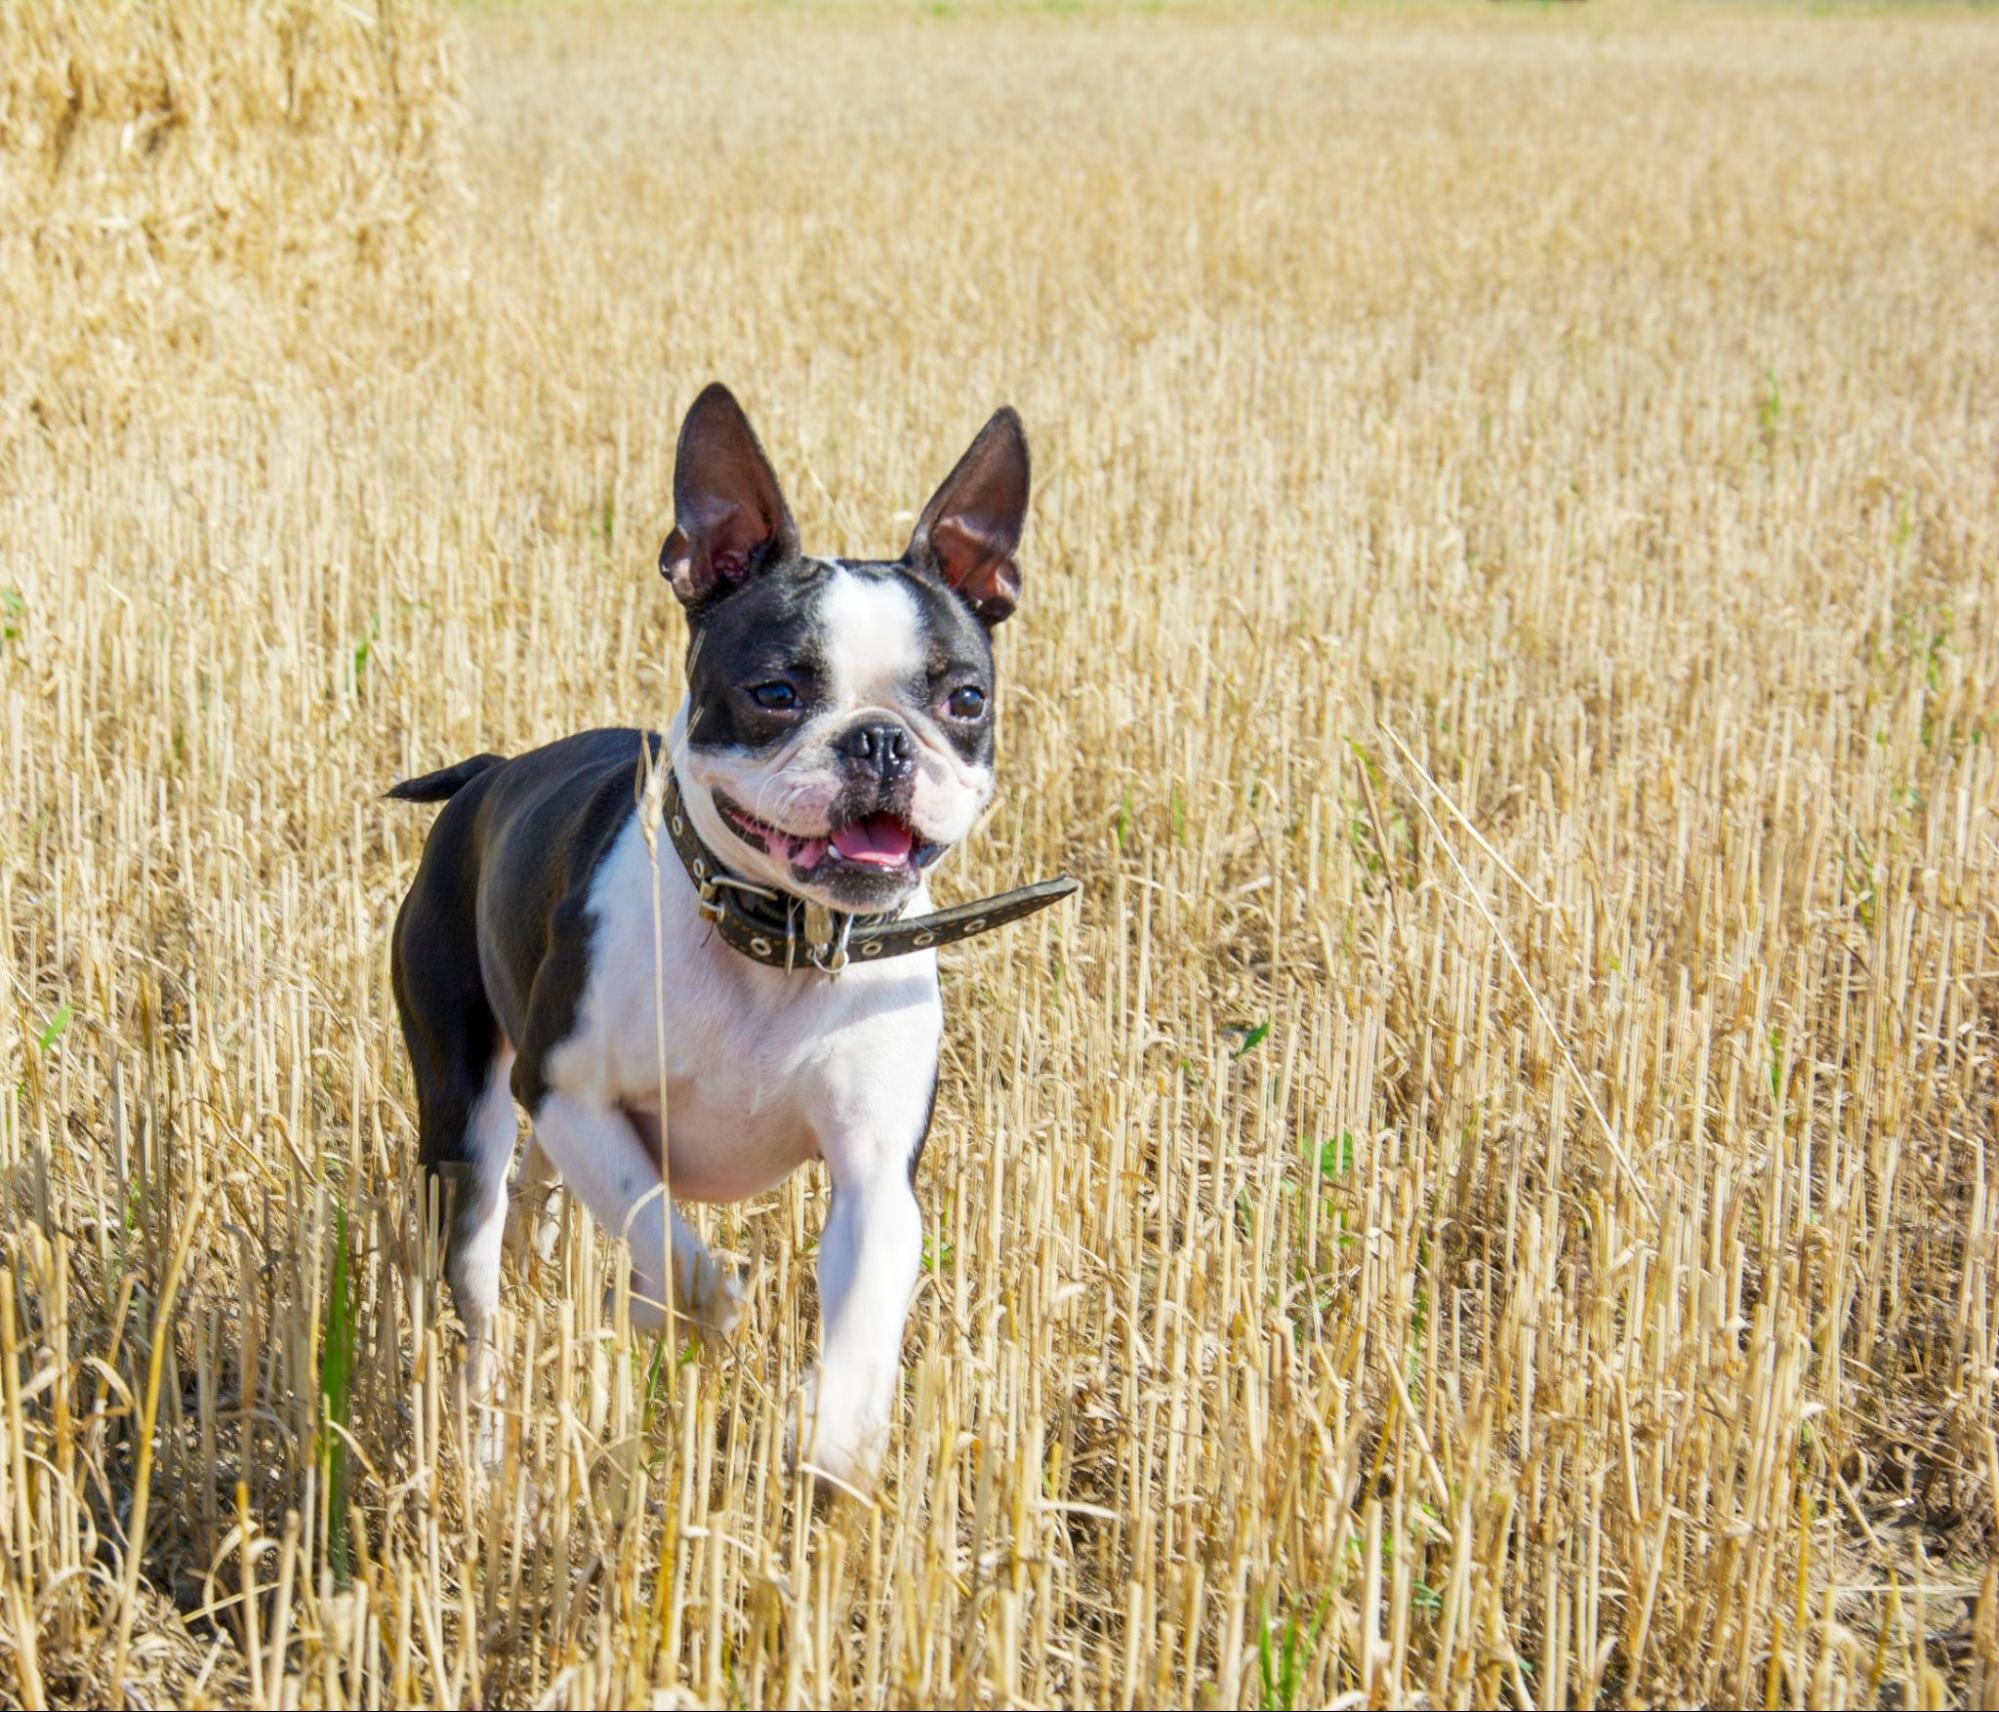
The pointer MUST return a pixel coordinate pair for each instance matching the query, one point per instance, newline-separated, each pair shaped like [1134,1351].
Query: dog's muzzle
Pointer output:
[783,931]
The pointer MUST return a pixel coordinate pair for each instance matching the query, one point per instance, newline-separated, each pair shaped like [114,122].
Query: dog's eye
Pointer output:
[967,703]
[777,696]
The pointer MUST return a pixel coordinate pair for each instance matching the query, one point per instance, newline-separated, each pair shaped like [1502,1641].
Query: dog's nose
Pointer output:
[885,749]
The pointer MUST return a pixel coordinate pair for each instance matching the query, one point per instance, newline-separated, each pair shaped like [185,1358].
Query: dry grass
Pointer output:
[1490,1196]
[197,186]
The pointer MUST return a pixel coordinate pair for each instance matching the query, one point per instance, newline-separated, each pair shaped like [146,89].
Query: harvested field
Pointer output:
[1488,1195]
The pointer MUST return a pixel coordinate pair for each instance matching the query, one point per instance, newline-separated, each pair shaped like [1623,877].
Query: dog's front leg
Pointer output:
[604,1162]
[870,1254]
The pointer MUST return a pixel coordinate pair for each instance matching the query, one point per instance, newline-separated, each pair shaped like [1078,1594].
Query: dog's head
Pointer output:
[839,731]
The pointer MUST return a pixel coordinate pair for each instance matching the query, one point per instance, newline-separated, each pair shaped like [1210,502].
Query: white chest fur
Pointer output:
[761,1069]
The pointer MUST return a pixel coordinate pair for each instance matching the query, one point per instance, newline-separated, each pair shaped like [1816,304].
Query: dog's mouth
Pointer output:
[881,843]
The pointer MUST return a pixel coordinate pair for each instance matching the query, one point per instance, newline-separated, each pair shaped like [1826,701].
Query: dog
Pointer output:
[752,990]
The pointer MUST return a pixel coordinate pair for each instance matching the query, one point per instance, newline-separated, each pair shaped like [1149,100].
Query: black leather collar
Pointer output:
[786,932]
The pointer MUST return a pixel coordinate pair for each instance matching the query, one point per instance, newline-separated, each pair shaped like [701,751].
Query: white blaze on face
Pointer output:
[876,656]
[873,643]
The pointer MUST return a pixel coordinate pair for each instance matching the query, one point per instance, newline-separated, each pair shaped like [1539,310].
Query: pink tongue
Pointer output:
[881,841]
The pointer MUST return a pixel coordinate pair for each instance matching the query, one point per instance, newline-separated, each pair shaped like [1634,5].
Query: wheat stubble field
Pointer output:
[1487,1198]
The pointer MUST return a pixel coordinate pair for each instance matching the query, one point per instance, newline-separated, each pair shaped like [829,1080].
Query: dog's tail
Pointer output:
[445,782]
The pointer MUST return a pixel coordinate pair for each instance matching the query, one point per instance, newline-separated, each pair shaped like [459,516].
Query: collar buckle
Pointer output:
[826,935]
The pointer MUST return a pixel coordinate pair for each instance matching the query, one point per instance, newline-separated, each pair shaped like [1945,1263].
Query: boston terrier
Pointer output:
[710,960]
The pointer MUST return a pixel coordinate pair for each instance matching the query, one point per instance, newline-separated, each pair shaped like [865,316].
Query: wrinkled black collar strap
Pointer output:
[786,932]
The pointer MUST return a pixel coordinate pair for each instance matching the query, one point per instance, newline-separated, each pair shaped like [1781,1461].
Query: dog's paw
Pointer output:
[834,1441]
[489,1443]
[545,1233]
[717,1302]
[713,1298]
[477,1394]
[534,1224]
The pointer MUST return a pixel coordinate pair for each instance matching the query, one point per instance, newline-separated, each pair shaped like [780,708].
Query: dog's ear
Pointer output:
[971,527]
[729,515]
